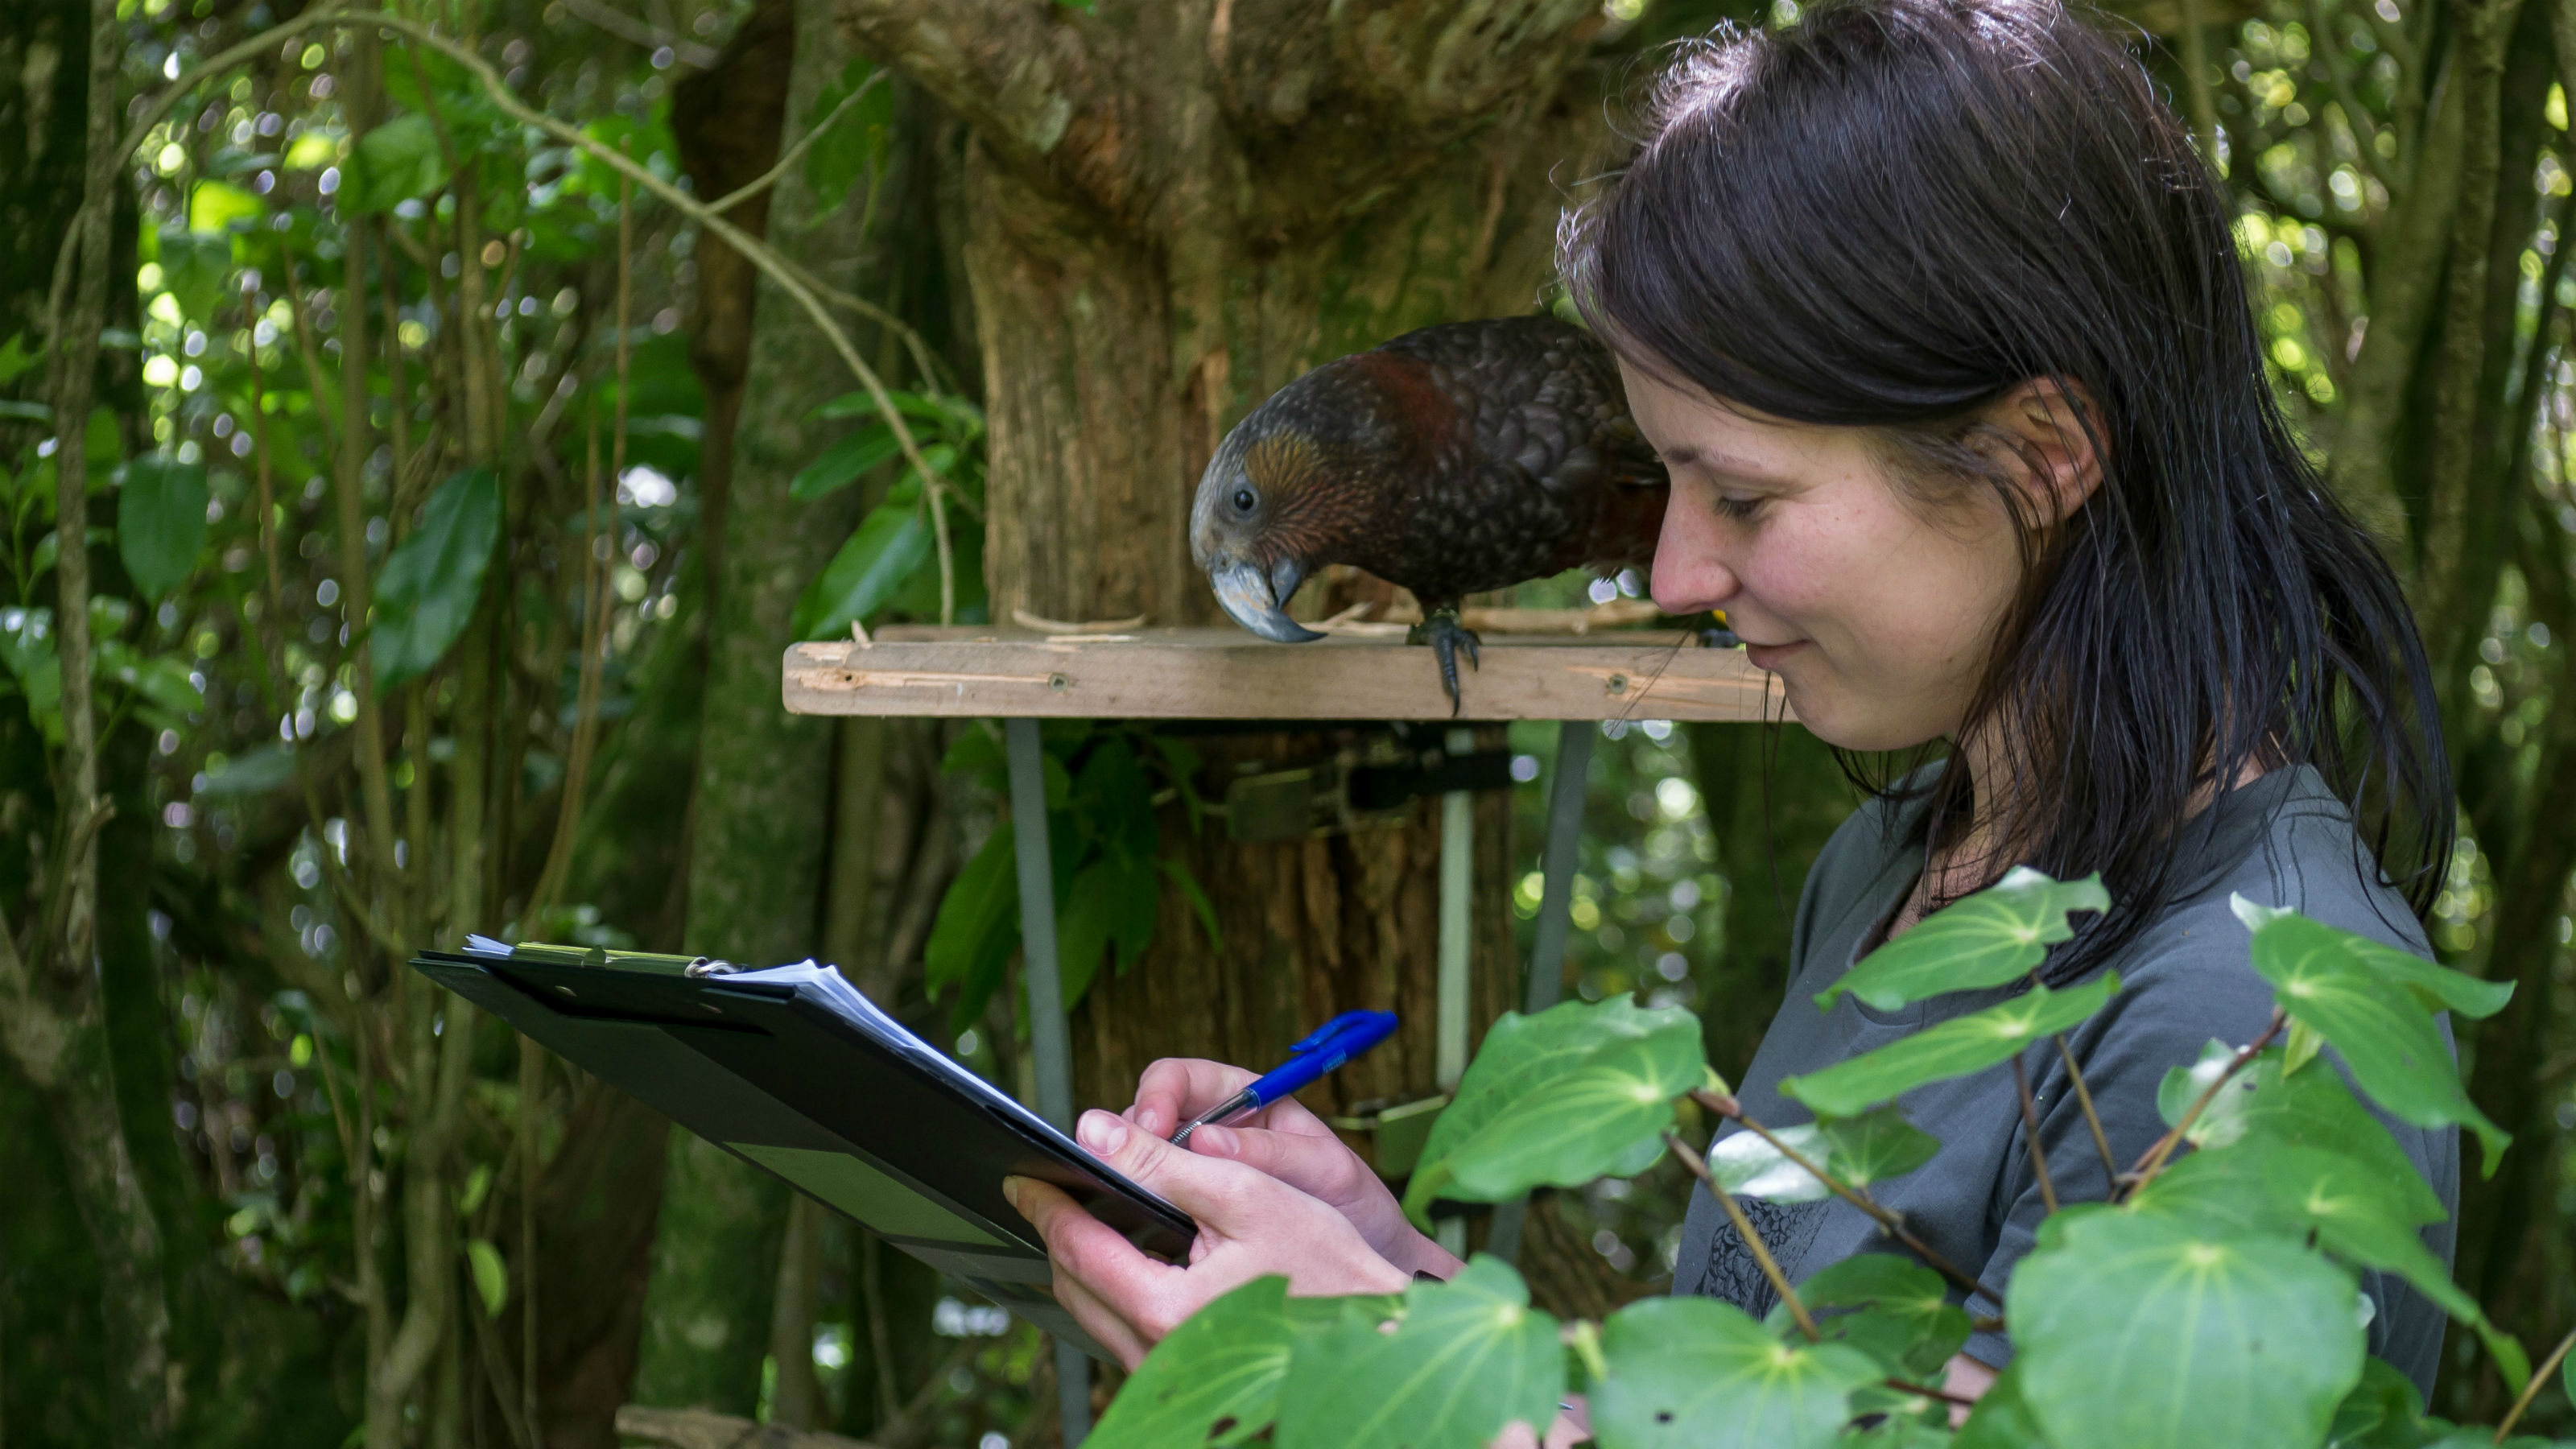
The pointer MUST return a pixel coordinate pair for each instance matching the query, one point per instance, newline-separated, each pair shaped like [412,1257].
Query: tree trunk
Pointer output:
[761,811]
[1173,208]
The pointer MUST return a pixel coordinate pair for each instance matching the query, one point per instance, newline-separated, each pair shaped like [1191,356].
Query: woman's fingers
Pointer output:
[1118,1281]
[1175,1089]
[1317,1166]
[1104,1323]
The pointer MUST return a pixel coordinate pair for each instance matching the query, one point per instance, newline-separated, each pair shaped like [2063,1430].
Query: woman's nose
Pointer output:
[1691,577]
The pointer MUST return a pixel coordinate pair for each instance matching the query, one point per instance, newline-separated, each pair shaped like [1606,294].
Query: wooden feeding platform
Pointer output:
[1227,674]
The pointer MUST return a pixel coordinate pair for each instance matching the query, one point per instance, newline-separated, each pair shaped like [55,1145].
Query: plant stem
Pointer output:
[2154,1161]
[1887,1218]
[1744,1229]
[804,143]
[2030,1133]
[2092,1119]
[2530,1391]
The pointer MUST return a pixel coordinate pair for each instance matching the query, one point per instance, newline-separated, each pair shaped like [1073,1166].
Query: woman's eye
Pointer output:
[1735,507]
[1243,500]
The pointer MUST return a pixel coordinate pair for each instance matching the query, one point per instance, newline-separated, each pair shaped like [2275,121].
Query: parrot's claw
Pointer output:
[1446,636]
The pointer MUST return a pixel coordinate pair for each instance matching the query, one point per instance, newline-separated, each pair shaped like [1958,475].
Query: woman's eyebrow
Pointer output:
[1683,455]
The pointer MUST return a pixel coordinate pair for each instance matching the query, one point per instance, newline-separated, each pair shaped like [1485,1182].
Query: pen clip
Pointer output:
[1326,1032]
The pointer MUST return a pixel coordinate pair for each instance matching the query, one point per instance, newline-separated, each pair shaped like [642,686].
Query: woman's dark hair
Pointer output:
[1892,213]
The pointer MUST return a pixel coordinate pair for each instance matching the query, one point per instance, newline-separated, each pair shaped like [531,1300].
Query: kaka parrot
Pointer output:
[1456,459]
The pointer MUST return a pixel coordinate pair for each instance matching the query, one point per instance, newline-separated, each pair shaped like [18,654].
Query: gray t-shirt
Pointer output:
[2284,840]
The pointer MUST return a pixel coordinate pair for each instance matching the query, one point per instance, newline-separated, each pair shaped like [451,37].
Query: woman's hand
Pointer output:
[1250,1224]
[1289,1143]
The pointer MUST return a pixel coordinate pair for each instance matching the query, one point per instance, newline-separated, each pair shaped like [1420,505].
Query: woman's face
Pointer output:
[1877,615]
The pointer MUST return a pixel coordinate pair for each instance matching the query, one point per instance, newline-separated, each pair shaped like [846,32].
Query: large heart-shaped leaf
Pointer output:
[2379,1025]
[1975,942]
[1580,1091]
[2356,1212]
[1952,1048]
[2262,1105]
[2001,1419]
[1213,1380]
[2383,1411]
[427,591]
[1700,1373]
[1859,1150]
[1470,1357]
[2139,1331]
[889,544]
[1891,1308]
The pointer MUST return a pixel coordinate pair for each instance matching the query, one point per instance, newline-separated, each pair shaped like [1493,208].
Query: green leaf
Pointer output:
[194,268]
[1978,941]
[1579,1091]
[977,926]
[2383,1411]
[856,143]
[2378,1025]
[1469,1357]
[391,164]
[214,206]
[1875,1146]
[2136,1331]
[845,463]
[1952,1048]
[2357,1212]
[890,543]
[27,644]
[431,582]
[1699,1373]
[1746,1164]
[491,1275]
[160,522]
[1213,1380]
[1200,905]
[1084,919]
[252,772]
[1891,1308]
[1136,904]
[2002,1418]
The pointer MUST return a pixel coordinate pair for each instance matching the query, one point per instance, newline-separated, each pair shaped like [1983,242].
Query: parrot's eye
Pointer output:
[1243,500]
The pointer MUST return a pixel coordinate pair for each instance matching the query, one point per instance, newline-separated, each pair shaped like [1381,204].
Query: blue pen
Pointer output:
[1328,1046]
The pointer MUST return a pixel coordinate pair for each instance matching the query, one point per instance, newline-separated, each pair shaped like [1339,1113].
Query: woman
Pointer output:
[1934,315]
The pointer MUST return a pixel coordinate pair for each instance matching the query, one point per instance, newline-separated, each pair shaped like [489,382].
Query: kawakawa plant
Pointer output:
[2212,1301]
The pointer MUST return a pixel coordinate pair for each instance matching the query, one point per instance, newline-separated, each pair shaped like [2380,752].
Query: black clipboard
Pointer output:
[796,1073]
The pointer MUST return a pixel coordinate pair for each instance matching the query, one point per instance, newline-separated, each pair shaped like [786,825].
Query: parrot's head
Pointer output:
[1302,482]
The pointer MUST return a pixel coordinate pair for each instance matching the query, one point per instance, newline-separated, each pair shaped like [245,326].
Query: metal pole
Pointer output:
[1048,1048]
[1457,877]
[1555,914]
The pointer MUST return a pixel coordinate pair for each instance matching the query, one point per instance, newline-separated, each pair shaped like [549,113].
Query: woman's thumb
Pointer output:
[1194,1184]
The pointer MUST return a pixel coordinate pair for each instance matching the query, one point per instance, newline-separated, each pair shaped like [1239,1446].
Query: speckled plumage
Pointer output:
[1451,460]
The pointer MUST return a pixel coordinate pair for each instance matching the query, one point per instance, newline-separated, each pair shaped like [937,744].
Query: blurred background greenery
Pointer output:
[371,343]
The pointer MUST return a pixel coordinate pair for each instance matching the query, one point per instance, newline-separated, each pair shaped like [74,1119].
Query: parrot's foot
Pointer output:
[1441,630]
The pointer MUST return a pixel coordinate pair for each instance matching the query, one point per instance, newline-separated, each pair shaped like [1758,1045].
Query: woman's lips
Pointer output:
[1768,656]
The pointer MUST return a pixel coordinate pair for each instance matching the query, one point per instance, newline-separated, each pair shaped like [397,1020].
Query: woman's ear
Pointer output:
[2055,431]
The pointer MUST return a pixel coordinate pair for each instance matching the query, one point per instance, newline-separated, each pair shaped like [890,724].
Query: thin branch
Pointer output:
[637,33]
[2030,1133]
[2326,42]
[1744,1228]
[2154,1161]
[795,153]
[1888,1219]
[2092,1119]
[2531,1390]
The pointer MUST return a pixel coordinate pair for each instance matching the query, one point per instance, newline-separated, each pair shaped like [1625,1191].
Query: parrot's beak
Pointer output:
[1257,602]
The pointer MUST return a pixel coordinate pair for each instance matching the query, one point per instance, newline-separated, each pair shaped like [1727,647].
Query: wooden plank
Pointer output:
[1228,674]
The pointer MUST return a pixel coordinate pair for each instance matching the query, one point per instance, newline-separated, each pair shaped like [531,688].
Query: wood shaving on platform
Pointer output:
[1044,625]
[1616,614]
